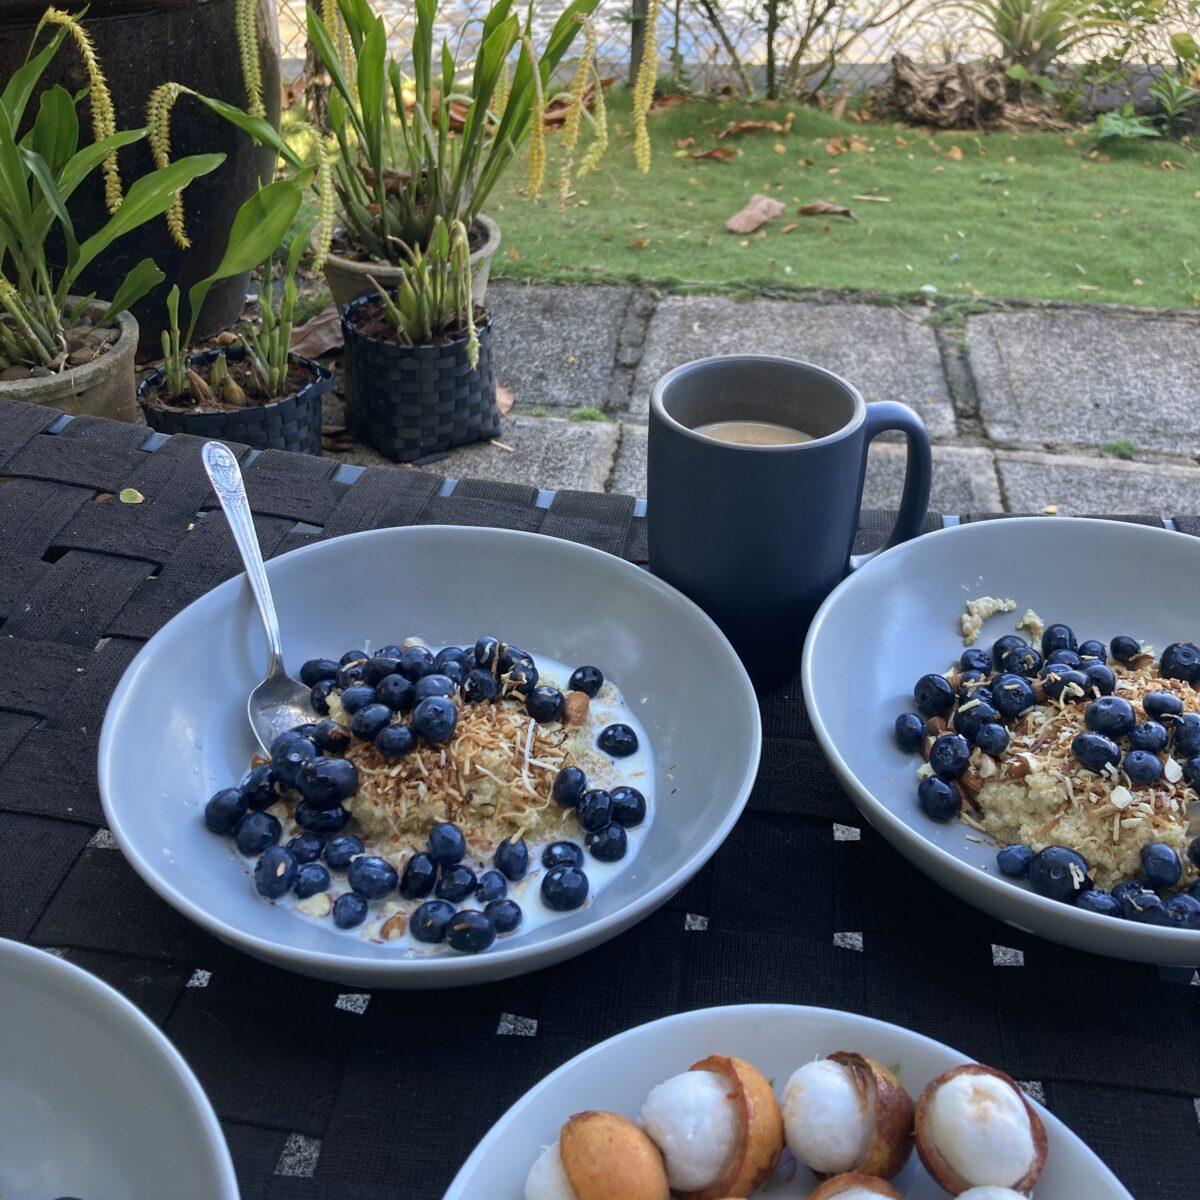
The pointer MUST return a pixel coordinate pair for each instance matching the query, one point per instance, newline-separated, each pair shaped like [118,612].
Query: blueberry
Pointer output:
[367,722]
[352,656]
[1162,704]
[523,676]
[487,649]
[1058,637]
[317,669]
[544,704]
[358,697]
[934,695]
[512,859]
[317,820]
[307,730]
[569,785]
[1193,853]
[1100,680]
[446,844]
[504,914]
[1110,715]
[396,692]
[1183,911]
[371,877]
[289,752]
[594,810]
[975,659]
[389,651]
[394,741]
[1095,751]
[428,923]
[938,799]
[1141,767]
[318,698]
[456,672]
[628,806]
[481,686]
[326,782]
[1063,658]
[453,654]
[1124,649]
[420,874]
[275,872]
[311,878]
[1059,873]
[992,739]
[415,661]
[588,680]
[225,810]
[1012,695]
[470,932]
[510,656]
[564,888]
[1149,735]
[256,831]
[1181,660]
[974,716]
[352,674]
[332,738]
[435,719]
[491,885]
[618,740]
[455,882]
[378,668]
[349,910]
[1093,649]
[1128,887]
[434,684]
[1063,683]
[1160,865]
[1021,660]
[1143,906]
[949,755]
[1001,646]
[1191,771]
[974,686]
[608,844]
[1014,861]
[1099,901]
[341,850]
[306,847]
[1187,734]
[559,854]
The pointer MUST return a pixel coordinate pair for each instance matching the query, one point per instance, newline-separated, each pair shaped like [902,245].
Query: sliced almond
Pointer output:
[575,708]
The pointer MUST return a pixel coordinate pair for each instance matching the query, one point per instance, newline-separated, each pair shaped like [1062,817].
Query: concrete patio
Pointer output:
[1086,410]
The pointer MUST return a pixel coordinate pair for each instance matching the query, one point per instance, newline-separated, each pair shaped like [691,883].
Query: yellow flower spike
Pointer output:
[500,95]
[643,89]
[575,111]
[595,151]
[537,127]
[158,134]
[326,199]
[246,21]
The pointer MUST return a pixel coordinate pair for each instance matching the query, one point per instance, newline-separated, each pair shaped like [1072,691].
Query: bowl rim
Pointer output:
[897,830]
[93,991]
[749,1012]
[457,968]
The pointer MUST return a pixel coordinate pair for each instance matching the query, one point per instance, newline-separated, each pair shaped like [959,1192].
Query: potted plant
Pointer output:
[56,347]
[418,359]
[255,391]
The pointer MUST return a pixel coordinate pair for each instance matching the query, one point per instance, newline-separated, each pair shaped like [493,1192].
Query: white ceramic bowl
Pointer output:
[176,729]
[94,1101]
[617,1074]
[898,618]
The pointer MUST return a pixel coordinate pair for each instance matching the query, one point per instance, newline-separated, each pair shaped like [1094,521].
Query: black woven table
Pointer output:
[332,1094]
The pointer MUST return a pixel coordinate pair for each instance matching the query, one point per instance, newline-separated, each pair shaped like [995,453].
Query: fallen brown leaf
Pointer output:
[719,153]
[670,100]
[318,335]
[955,152]
[835,146]
[789,228]
[736,127]
[822,208]
[504,398]
[759,211]
[685,143]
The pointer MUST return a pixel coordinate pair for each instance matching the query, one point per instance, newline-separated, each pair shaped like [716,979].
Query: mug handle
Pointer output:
[882,416]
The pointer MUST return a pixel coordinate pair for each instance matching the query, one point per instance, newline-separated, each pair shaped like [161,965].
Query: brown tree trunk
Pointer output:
[638,11]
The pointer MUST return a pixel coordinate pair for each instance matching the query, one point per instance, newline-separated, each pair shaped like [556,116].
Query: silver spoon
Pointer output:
[279,703]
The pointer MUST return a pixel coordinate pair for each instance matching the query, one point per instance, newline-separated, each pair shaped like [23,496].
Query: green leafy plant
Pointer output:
[267,346]
[1125,125]
[1175,97]
[1034,33]
[1122,447]
[39,172]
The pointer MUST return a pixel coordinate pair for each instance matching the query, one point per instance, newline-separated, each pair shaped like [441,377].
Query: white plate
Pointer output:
[617,1074]
[898,618]
[176,729]
[94,1101]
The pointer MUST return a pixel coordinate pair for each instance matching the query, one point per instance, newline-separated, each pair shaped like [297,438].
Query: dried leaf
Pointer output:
[955,153]
[780,148]
[874,199]
[719,153]
[822,208]
[504,398]
[669,100]
[859,145]
[759,211]
[685,143]
[789,228]
[736,127]
[130,496]
[318,335]
[835,146]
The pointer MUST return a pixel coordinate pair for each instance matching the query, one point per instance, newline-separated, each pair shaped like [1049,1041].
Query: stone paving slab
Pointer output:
[1081,485]
[886,354]
[556,346]
[1086,379]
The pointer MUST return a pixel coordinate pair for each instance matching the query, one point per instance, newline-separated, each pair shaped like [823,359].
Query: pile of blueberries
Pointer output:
[995,688]
[380,691]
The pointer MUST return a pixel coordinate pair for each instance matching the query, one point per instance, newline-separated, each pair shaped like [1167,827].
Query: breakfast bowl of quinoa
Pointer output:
[1025,723]
[517,747]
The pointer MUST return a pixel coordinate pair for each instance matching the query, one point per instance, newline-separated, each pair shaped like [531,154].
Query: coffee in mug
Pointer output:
[754,433]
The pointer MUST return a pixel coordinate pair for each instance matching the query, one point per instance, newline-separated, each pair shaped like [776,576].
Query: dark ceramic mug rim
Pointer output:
[664,381]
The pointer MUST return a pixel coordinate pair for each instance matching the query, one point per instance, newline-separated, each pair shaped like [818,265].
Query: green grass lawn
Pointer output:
[973,215]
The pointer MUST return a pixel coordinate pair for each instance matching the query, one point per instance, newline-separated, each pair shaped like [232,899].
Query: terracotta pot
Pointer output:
[347,277]
[105,387]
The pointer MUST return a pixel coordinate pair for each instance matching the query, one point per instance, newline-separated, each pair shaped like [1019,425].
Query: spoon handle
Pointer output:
[226,478]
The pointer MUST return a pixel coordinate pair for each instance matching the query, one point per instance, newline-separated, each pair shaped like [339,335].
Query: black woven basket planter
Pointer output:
[414,403]
[293,423]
